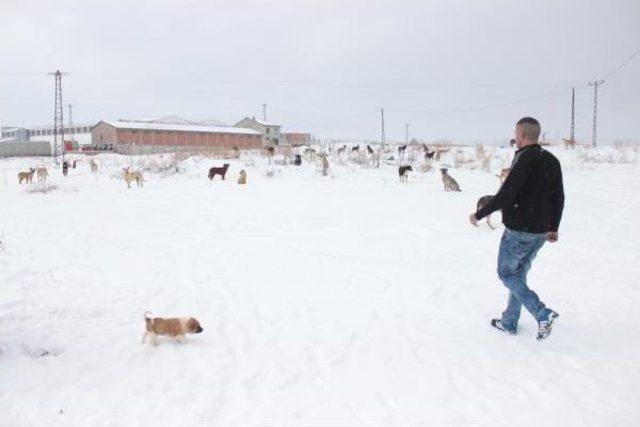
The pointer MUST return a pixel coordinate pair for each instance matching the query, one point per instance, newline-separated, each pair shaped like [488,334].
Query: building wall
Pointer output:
[25,149]
[174,139]
[103,133]
[270,134]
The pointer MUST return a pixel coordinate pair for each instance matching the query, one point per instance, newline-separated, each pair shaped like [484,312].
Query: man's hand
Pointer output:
[552,236]
[473,220]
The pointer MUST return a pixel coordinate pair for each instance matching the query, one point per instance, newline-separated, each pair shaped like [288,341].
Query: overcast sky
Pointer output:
[462,70]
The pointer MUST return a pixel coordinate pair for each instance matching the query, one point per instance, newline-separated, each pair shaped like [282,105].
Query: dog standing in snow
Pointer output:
[136,176]
[403,172]
[26,176]
[43,173]
[222,171]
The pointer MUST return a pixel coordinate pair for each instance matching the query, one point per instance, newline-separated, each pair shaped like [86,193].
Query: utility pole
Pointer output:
[382,139]
[406,133]
[70,121]
[264,112]
[573,114]
[58,122]
[595,85]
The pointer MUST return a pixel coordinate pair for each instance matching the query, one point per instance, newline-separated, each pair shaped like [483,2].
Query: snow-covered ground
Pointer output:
[351,299]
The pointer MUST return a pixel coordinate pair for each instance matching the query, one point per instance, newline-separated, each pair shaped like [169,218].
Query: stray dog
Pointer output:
[270,151]
[176,328]
[242,179]
[401,149]
[355,148]
[136,176]
[481,202]
[42,174]
[504,173]
[297,160]
[222,171]
[94,166]
[403,172]
[428,156]
[341,149]
[450,184]
[26,176]
[65,168]
[325,165]
[369,149]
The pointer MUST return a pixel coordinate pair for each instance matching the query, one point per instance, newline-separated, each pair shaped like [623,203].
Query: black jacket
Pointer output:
[532,197]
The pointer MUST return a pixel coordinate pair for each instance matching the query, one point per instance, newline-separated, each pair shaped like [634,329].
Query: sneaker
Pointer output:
[544,326]
[497,323]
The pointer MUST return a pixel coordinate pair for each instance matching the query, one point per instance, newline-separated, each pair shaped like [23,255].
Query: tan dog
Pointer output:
[136,176]
[94,166]
[504,173]
[42,174]
[242,179]
[26,176]
[174,327]
[481,202]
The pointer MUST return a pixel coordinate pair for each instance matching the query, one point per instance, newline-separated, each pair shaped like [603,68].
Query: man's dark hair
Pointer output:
[530,127]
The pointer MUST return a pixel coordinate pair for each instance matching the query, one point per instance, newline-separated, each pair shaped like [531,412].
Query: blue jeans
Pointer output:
[517,250]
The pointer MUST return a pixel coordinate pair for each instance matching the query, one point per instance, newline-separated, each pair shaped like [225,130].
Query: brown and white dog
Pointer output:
[174,327]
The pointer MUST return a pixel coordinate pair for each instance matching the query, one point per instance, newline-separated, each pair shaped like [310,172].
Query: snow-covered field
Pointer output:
[351,299]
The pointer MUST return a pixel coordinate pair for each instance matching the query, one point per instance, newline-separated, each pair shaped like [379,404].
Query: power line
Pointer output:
[623,64]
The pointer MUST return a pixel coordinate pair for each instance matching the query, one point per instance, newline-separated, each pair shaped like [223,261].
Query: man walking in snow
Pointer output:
[531,200]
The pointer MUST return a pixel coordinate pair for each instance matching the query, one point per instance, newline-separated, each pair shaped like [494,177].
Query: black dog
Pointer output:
[428,156]
[401,149]
[355,148]
[369,149]
[65,168]
[297,160]
[402,172]
[218,171]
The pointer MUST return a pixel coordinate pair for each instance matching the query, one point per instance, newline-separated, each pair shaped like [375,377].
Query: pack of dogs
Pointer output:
[177,328]
[449,183]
